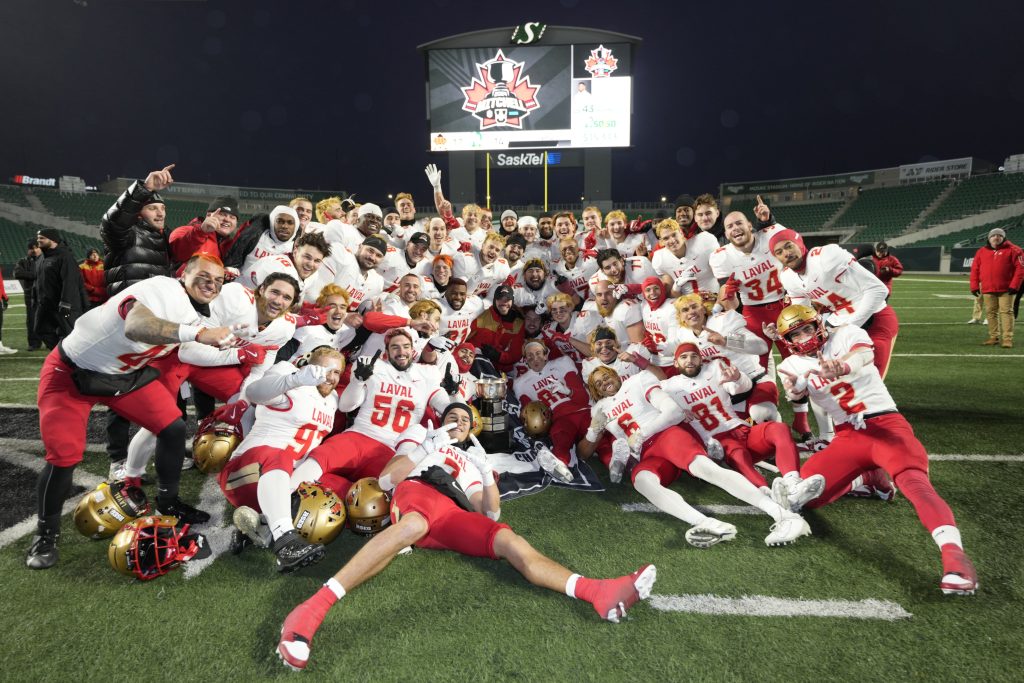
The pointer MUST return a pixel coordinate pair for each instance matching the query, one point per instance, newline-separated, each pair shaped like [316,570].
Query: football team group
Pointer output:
[347,346]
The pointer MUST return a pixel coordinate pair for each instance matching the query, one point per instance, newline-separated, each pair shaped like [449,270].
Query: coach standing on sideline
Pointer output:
[25,271]
[134,237]
[998,272]
[59,288]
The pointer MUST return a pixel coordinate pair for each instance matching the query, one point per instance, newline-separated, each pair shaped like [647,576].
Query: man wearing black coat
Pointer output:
[60,290]
[25,273]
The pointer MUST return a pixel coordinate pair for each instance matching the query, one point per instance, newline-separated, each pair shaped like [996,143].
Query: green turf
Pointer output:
[436,616]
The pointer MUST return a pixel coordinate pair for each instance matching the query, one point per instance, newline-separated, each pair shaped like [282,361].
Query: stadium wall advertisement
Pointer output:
[806,183]
[933,170]
[961,259]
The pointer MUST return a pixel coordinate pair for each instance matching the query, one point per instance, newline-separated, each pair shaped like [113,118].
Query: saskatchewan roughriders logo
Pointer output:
[502,96]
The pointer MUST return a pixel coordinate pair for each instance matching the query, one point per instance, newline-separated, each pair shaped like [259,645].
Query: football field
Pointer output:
[858,600]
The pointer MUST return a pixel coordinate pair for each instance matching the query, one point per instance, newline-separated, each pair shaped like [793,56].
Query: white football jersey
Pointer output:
[625,314]
[483,278]
[579,328]
[457,324]
[661,324]
[630,407]
[706,399]
[98,343]
[694,264]
[395,400]
[296,423]
[578,276]
[394,266]
[725,323]
[254,276]
[342,236]
[475,238]
[833,278]
[550,386]
[312,336]
[861,392]
[636,268]
[759,272]
[361,287]
[266,245]
[449,458]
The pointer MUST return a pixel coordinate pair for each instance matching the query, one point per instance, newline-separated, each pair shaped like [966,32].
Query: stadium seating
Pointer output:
[1014,232]
[89,208]
[805,217]
[978,194]
[13,195]
[14,236]
[886,212]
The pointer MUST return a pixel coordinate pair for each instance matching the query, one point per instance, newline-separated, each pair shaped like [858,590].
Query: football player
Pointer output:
[621,271]
[605,351]
[295,410]
[304,264]
[572,274]
[458,311]
[445,498]
[357,272]
[568,330]
[394,394]
[642,419]
[682,263]
[104,360]
[660,321]
[623,315]
[835,366]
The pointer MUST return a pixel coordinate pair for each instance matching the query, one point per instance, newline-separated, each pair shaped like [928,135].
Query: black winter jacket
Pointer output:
[60,291]
[134,249]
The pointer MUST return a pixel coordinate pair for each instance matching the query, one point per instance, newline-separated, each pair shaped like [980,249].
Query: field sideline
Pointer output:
[858,600]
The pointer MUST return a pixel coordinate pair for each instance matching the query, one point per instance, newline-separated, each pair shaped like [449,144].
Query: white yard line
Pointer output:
[959,355]
[768,606]
[712,510]
[217,535]
[35,463]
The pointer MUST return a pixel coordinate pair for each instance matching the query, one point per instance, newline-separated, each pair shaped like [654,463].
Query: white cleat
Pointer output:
[251,523]
[553,466]
[620,457]
[805,491]
[787,530]
[710,532]
[715,450]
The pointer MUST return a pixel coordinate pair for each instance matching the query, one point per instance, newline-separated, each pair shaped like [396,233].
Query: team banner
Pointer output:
[937,169]
[792,184]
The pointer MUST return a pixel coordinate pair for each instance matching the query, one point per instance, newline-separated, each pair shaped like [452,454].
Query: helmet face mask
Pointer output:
[102,512]
[152,546]
[213,445]
[791,319]
[368,507]
[319,514]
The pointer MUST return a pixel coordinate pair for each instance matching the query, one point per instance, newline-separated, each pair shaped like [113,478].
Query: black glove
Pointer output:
[490,353]
[450,384]
[3,304]
[976,292]
[1012,292]
[560,279]
[364,367]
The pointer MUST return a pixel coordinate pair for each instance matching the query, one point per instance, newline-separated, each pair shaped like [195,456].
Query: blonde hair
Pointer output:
[620,215]
[558,296]
[666,226]
[323,205]
[592,208]
[423,306]
[599,372]
[687,299]
[295,201]
[495,237]
[332,290]
[470,207]
[327,352]
[403,195]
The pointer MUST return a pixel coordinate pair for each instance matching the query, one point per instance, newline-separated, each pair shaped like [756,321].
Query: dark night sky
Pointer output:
[330,94]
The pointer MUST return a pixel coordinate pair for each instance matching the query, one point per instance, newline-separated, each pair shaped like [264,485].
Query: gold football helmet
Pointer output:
[478,423]
[368,507]
[102,512]
[536,419]
[319,514]
[152,546]
[794,317]
[214,444]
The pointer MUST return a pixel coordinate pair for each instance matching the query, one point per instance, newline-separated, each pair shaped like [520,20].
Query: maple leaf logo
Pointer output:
[502,96]
[601,63]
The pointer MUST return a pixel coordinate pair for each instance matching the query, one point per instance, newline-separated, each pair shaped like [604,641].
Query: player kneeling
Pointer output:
[295,410]
[445,498]
[836,368]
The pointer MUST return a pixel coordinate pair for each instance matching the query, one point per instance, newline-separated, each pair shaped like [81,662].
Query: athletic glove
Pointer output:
[252,354]
[364,367]
[230,413]
[309,376]
[450,383]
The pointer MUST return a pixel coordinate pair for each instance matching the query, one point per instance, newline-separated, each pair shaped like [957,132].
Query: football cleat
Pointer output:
[250,523]
[620,458]
[185,513]
[874,482]
[550,463]
[238,542]
[42,554]
[296,635]
[793,494]
[710,532]
[294,552]
[715,450]
[959,575]
[615,596]
[787,530]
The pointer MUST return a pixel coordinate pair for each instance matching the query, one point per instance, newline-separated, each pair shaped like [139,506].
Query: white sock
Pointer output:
[825,429]
[273,491]
[335,587]
[570,585]
[946,534]
[307,470]
[666,500]
[735,484]
[799,407]
[141,449]
[764,412]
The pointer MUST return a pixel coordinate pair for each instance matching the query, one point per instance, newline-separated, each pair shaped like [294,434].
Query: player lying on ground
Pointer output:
[836,367]
[445,498]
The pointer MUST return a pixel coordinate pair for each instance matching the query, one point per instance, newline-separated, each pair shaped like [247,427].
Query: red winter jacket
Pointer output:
[998,270]
[188,240]
[890,262]
[95,281]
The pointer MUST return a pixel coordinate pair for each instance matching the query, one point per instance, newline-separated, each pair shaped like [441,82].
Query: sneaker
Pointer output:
[294,552]
[787,530]
[959,576]
[185,513]
[802,492]
[615,596]
[974,321]
[620,457]
[252,525]
[553,466]
[238,542]
[6,350]
[715,450]
[296,636]
[42,554]
[187,464]
[710,532]
[116,472]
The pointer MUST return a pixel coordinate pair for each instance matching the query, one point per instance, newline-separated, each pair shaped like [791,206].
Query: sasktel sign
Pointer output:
[531,159]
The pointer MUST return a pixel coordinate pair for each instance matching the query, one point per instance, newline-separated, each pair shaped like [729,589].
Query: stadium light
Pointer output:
[664,199]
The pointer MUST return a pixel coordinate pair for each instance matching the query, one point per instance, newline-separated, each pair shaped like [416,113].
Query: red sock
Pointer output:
[800,423]
[315,609]
[586,589]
